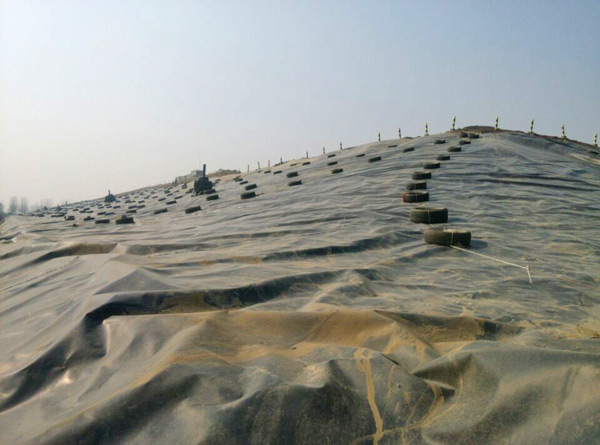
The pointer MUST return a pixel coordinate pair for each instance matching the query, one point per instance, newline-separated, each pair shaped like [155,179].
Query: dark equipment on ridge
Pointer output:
[110,197]
[202,184]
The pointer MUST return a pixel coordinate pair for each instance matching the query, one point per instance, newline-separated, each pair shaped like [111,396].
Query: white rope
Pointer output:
[496,259]
[527,269]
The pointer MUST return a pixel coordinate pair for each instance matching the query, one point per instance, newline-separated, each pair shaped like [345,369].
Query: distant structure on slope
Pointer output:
[195,174]
[110,197]
[202,184]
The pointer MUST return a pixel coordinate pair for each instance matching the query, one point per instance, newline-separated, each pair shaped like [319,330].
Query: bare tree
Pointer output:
[24,207]
[13,205]
[1,212]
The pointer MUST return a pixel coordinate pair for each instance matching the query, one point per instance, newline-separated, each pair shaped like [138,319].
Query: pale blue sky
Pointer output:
[121,94]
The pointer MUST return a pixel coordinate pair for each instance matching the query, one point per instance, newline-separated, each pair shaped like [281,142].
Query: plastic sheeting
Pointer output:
[316,313]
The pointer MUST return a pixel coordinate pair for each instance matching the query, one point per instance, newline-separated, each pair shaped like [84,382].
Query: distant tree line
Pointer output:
[223,172]
[22,206]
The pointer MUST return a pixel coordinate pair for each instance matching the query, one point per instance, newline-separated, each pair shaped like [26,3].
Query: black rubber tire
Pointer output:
[439,141]
[431,165]
[464,142]
[291,175]
[267,171]
[375,159]
[171,202]
[124,220]
[447,237]
[193,209]
[103,221]
[362,155]
[306,163]
[250,186]
[443,157]
[331,155]
[212,197]
[429,214]
[293,183]
[156,212]
[276,172]
[454,149]
[89,218]
[248,195]
[69,218]
[392,146]
[473,136]
[463,134]
[337,170]
[131,211]
[243,182]
[407,149]
[416,185]
[415,196]
[331,163]
[294,164]
[421,175]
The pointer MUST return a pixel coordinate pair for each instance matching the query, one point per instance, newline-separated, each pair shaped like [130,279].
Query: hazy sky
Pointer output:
[121,94]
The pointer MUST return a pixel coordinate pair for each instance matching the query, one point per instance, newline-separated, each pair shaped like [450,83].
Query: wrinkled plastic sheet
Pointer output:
[316,313]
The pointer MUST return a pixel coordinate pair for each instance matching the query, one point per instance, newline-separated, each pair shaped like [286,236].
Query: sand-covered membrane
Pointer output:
[316,313]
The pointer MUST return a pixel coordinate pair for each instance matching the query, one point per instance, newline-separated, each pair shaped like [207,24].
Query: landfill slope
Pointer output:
[316,313]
